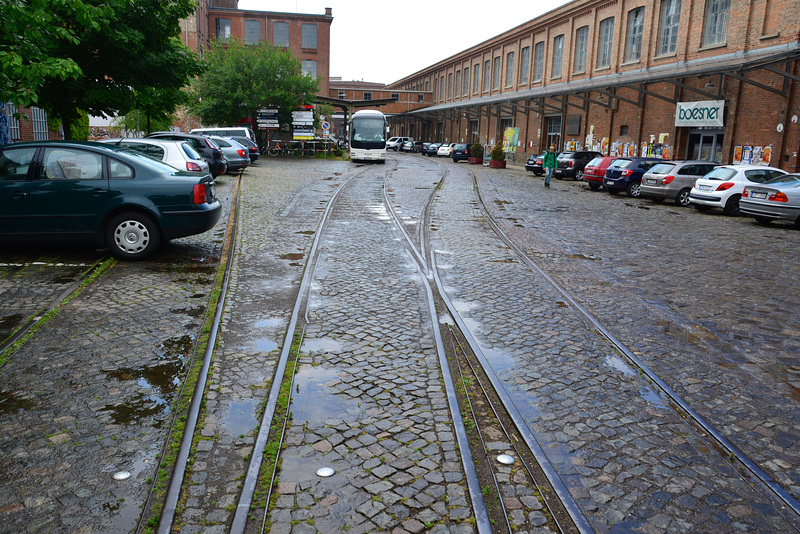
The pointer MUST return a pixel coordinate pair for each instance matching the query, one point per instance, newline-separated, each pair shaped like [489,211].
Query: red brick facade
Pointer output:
[629,103]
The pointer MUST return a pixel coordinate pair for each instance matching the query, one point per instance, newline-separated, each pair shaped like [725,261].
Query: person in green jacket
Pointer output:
[549,164]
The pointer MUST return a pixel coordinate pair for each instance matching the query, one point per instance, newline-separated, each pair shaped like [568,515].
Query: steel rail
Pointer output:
[510,441]
[581,523]
[167,516]
[473,484]
[251,477]
[783,496]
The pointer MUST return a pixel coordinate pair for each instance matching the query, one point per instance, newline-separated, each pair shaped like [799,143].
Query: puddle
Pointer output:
[9,323]
[268,323]
[240,418]
[321,345]
[646,392]
[312,401]
[191,312]
[265,344]
[582,257]
[617,363]
[679,332]
[157,382]
[499,360]
[292,256]
[12,401]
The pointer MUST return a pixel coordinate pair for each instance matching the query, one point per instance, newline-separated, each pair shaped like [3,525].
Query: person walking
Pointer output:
[549,163]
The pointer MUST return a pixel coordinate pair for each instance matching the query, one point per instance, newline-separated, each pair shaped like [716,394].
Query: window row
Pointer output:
[715,32]
[280,32]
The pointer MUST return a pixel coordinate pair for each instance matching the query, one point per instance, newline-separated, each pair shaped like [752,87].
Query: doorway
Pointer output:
[705,145]
[553,132]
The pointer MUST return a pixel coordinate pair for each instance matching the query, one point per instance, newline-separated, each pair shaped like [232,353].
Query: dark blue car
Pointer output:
[625,174]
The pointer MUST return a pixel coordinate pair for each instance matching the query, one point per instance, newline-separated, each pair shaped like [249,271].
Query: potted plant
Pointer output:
[475,154]
[498,160]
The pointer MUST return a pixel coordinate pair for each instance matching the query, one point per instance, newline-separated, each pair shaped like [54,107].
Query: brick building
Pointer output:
[613,75]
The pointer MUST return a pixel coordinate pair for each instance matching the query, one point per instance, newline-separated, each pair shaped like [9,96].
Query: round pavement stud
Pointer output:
[122,475]
[505,459]
[325,472]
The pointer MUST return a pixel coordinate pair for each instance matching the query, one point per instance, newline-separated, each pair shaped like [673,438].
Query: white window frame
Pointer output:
[558,56]
[715,26]
[581,45]
[669,25]
[633,40]
[605,42]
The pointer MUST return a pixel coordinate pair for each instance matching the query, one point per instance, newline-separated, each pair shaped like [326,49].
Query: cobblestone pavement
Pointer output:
[90,394]
[687,292]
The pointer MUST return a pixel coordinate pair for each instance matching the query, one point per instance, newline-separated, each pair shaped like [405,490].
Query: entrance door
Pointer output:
[553,132]
[705,145]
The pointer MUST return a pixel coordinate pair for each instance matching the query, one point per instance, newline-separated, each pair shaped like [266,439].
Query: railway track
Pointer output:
[445,401]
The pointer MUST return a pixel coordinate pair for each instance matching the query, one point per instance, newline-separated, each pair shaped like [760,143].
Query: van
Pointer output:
[394,143]
[230,131]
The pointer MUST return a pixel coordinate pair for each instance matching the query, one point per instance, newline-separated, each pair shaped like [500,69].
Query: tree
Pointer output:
[32,31]
[131,53]
[239,79]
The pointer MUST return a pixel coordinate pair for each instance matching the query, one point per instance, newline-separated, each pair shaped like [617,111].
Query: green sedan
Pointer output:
[83,191]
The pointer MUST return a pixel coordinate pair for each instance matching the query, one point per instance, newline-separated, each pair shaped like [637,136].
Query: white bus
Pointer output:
[368,132]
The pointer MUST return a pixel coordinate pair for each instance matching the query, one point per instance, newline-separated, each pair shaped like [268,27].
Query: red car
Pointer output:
[595,171]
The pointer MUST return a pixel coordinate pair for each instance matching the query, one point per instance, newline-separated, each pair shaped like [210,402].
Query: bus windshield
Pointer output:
[368,133]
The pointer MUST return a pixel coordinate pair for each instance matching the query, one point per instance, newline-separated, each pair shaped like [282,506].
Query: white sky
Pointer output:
[386,40]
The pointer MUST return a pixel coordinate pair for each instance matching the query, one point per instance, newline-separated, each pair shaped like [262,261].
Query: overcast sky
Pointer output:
[386,40]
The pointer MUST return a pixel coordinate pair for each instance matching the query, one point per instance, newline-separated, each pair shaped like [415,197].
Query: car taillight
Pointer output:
[779,197]
[199,194]
[667,179]
[191,166]
[724,186]
[242,153]
[571,163]
[745,194]
[626,172]
[253,149]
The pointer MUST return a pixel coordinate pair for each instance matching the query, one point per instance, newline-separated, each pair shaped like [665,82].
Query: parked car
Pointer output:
[230,131]
[407,146]
[570,164]
[534,164]
[202,144]
[625,174]
[394,143]
[96,192]
[431,149]
[595,171]
[674,180]
[417,146]
[179,154]
[251,146]
[723,187]
[777,198]
[235,153]
[460,152]
[445,149]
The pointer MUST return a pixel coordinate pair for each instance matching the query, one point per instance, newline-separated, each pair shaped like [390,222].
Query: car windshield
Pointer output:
[662,168]
[720,174]
[617,163]
[595,162]
[792,180]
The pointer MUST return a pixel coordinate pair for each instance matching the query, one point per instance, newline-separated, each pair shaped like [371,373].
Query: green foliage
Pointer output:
[131,49]
[497,151]
[79,129]
[238,79]
[476,150]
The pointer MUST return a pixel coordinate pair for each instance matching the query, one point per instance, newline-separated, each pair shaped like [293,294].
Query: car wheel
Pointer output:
[762,220]
[594,187]
[657,200]
[702,207]
[579,176]
[132,236]
[732,206]
[682,198]
[634,190]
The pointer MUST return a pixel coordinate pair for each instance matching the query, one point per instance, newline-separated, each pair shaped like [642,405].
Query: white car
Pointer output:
[723,187]
[445,150]
[179,154]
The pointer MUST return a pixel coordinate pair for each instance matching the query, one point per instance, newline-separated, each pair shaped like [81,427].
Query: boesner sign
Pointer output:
[706,113]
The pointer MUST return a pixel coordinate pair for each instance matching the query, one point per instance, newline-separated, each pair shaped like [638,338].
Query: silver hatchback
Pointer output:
[674,180]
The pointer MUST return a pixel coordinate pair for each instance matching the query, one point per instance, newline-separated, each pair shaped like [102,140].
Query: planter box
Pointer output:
[475,161]
[497,164]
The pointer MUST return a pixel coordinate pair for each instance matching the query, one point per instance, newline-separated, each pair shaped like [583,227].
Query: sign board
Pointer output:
[302,132]
[705,113]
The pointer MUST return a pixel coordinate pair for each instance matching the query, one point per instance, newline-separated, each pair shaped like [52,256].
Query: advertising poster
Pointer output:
[766,155]
[746,153]
[510,138]
[737,154]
